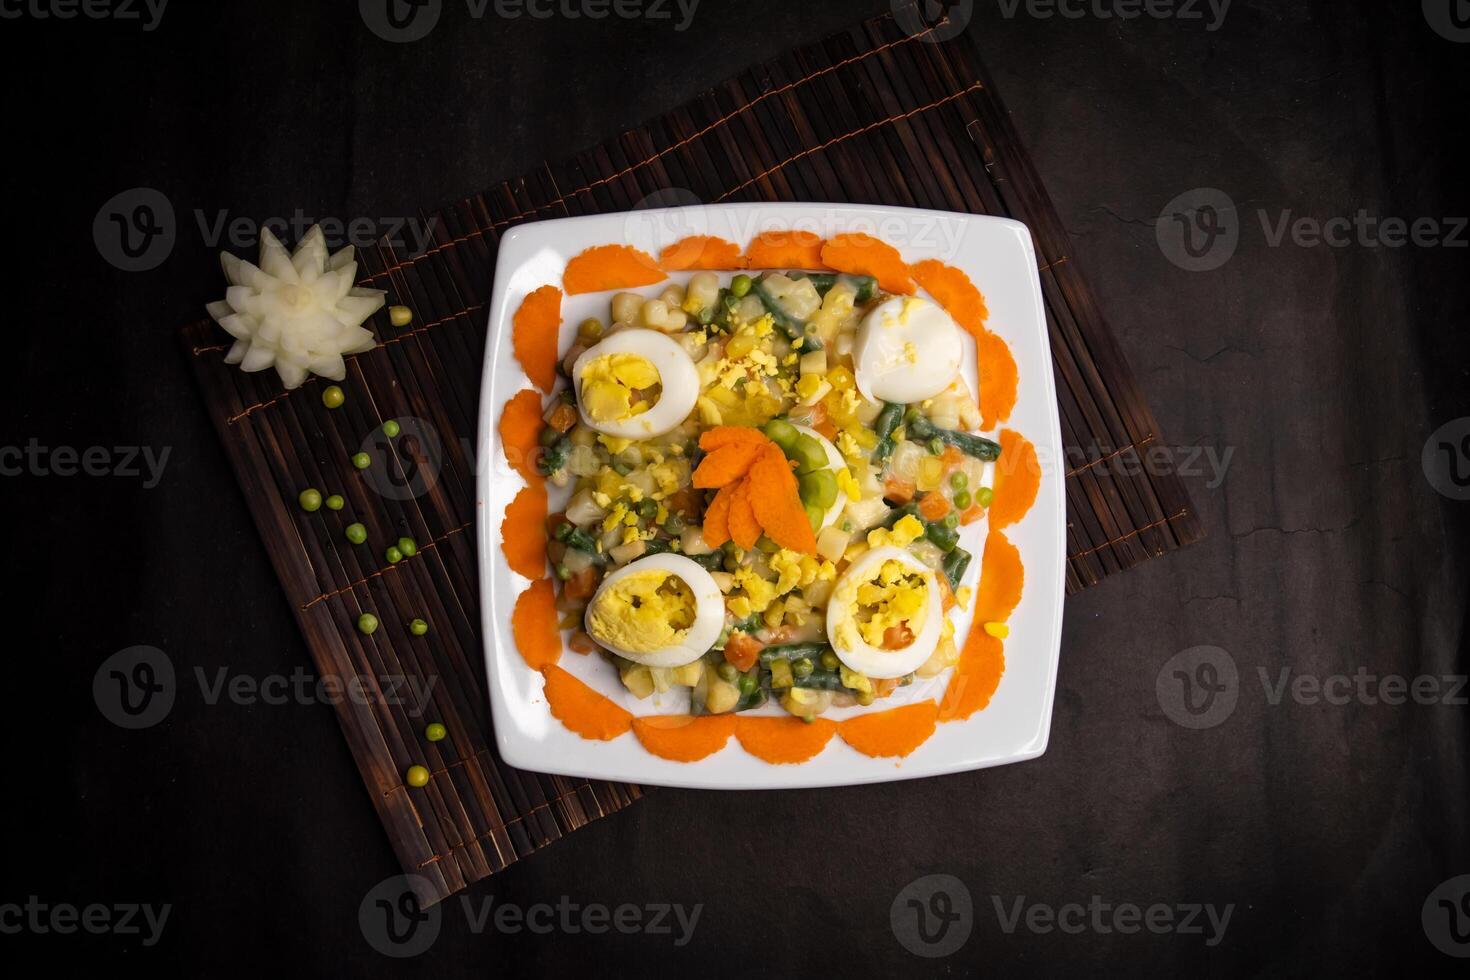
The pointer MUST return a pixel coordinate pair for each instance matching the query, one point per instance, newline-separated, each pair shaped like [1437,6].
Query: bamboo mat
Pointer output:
[873,115]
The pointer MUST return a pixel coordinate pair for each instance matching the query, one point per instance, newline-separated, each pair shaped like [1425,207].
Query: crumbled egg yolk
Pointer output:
[795,570]
[642,612]
[908,530]
[896,594]
[848,484]
[759,593]
[608,383]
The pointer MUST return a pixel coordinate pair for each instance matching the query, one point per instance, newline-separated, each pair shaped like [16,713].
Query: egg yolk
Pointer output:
[643,612]
[885,604]
[618,386]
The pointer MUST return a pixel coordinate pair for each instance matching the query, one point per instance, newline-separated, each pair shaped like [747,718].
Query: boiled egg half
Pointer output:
[886,594]
[907,349]
[661,611]
[636,384]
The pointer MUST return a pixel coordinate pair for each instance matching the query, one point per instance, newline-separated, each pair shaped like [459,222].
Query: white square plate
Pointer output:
[998,256]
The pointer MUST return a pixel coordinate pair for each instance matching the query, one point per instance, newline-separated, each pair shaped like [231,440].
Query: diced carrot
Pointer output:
[563,417]
[581,642]
[898,489]
[884,686]
[946,594]
[972,515]
[951,457]
[554,521]
[582,584]
[897,636]
[933,506]
[743,650]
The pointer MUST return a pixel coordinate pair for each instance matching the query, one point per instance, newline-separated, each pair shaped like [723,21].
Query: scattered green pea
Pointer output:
[367,623]
[590,328]
[391,428]
[362,460]
[418,627]
[335,502]
[726,671]
[435,732]
[740,285]
[984,496]
[356,533]
[829,660]
[936,447]
[802,667]
[393,555]
[647,507]
[400,316]
[959,480]
[962,500]
[332,396]
[310,499]
[674,524]
[408,546]
[951,520]
[416,776]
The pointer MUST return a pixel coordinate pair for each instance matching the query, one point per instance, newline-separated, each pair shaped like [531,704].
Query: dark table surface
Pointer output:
[1314,374]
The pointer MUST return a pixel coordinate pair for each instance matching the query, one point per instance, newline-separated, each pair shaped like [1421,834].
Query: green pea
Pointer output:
[435,732]
[984,496]
[647,508]
[959,480]
[408,546]
[730,563]
[335,502]
[951,520]
[936,447]
[416,776]
[726,671]
[310,499]
[332,396]
[590,328]
[418,628]
[962,500]
[674,524]
[393,555]
[766,545]
[829,660]
[802,667]
[782,433]
[740,285]
[548,437]
[819,487]
[356,533]
[362,460]
[808,453]
[367,623]
[391,428]
[400,316]
[563,572]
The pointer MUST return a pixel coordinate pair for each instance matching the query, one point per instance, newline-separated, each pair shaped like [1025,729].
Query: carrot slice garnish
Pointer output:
[982,662]
[717,519]
[605,267]
[1002,577]
[533,625]
[701,252]
[726,435]
[744,529]
[897,731]
[523,532]
[1017,480]
[776,500]
[533,334]
[520,429]
[725,465]
[863,255]
[581,709]
[999,379]
[784,740]
[954,291]
[785,250]
[682,738]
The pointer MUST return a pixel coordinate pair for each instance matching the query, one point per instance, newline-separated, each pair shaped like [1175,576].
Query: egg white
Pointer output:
[881,366]
[835,462]
[864,657]
[677,374]
[709,610]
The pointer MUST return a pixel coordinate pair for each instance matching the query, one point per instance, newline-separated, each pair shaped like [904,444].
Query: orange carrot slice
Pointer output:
[745,530]
[717,519]
[1002,577]
[784,740]
[581,709]
[533,334]
[683,738]
[520,428]
[776,502]
[726,464]
[1017,480]
[863,255]
[982,662]
[954,291]
[533,625]
[785,250]
[523,532]
[726,435]
[897,731]
[605,267]
[701,252]
[998,379]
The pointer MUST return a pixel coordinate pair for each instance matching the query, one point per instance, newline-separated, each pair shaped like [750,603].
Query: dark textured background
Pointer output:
[1323,369]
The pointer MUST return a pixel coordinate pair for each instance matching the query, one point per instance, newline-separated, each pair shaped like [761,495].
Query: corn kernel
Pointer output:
[998,630]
